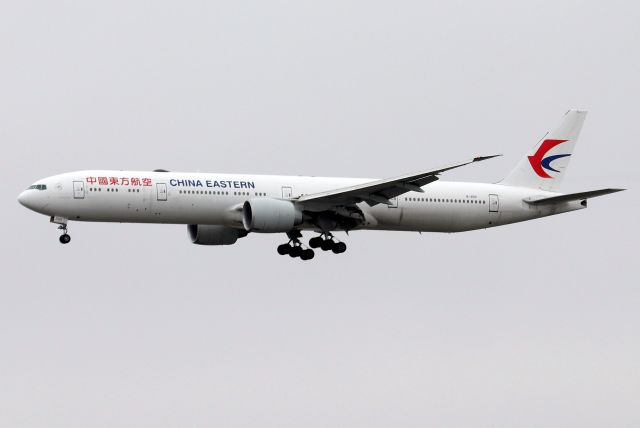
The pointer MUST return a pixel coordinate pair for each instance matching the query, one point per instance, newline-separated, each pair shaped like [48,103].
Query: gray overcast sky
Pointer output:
[529,325]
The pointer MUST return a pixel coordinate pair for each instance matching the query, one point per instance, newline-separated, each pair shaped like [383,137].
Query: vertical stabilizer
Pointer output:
[546,164]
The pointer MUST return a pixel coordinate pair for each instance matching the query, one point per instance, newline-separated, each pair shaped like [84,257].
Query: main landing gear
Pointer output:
[294,247]
[326,242]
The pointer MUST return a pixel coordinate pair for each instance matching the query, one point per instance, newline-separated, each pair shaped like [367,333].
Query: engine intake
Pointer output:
[267,215]
[214,235]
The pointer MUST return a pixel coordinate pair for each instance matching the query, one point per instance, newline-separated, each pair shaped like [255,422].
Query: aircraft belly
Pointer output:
[429,219]
[138,209]
[182,211]
[385,217]
[414,219]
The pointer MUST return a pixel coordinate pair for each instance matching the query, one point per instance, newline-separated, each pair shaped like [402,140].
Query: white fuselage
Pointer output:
[217,199]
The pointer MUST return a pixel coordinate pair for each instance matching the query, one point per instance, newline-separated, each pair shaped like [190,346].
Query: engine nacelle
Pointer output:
[214,235]
[270,215]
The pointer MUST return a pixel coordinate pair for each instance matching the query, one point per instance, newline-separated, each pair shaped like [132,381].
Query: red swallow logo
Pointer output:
[539,163]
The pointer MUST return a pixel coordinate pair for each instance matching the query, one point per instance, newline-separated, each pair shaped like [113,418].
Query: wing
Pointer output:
[380,191]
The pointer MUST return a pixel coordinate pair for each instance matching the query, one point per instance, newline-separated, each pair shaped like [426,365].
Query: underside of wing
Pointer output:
[379,191]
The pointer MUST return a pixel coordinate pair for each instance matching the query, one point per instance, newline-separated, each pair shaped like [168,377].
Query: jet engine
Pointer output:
[214,235]
[270,215]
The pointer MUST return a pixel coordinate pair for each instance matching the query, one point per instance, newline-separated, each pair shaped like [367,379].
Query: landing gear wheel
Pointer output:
[315,242]
[339,247]
[327,245]
[284,249]
[307,254]
[295,251]
[295,248]
[64,238]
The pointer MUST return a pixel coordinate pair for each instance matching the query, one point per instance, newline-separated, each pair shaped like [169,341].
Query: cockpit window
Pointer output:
[38,187]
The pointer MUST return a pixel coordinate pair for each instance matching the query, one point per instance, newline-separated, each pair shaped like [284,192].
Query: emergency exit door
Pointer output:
[78,190]
[287,192]
[162,191]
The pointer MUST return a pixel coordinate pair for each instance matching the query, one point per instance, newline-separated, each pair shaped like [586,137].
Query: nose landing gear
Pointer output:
[64,238]
[62,222]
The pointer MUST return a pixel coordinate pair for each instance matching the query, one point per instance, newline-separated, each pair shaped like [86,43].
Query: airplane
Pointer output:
[219,209]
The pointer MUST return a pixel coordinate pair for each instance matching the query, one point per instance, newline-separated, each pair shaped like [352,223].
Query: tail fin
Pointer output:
[547,162]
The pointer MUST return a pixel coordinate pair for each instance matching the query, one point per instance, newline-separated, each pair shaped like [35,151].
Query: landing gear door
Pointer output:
[494,204]
[287,192]
[162,191]
[78,190]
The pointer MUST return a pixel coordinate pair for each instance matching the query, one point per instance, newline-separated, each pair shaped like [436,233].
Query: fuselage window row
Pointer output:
[109,189]
[217,193]
[202,192]
[455,201]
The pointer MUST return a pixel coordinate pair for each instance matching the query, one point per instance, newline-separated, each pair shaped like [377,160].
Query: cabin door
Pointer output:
[78,190]
[162,191]
[494,204]
[287,192]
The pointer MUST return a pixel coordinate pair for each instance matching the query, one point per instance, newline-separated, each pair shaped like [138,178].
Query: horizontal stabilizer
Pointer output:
[572,197]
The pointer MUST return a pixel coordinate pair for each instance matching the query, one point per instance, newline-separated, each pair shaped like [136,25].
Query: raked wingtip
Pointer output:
[481,158]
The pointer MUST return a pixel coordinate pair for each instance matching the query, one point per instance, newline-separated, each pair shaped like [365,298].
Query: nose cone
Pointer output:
[32,199]
[23,198]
